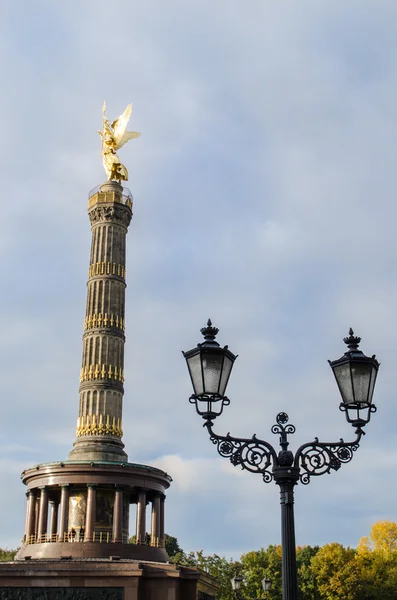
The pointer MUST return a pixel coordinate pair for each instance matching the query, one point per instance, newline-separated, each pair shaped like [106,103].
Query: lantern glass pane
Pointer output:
[372,384]
[361,375]
[212,368]
[227,367]
[194,365]
[236,583]
[266,584]
[343,377]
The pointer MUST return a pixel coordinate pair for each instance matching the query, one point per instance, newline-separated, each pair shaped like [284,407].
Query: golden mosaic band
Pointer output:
[106,268]
[99,425]
[108,197]
[104,320]
[93,372]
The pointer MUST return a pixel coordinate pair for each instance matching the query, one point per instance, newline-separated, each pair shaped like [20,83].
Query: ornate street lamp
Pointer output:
[210,367]
[266,584]
[236,582]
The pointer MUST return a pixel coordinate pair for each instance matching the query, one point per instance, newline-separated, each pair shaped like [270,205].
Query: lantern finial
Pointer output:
[209,332]
[352,341]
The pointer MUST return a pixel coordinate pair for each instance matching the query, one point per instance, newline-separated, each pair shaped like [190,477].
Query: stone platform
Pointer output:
[100,579]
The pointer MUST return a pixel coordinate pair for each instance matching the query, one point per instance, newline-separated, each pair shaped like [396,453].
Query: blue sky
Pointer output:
[264,187]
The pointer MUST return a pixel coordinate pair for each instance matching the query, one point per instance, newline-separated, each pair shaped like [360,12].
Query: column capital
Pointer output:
[92,485]
[64,485]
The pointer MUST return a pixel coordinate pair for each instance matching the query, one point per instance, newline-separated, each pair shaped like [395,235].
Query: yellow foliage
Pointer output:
[363,546]
[382,539]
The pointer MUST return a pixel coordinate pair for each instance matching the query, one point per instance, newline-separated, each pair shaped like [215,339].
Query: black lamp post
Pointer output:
[210,367]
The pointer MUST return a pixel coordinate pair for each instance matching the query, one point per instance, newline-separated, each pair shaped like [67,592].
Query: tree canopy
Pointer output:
[332,572]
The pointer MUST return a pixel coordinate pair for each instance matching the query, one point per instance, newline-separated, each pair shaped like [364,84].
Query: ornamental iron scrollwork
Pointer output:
[317,458]
[251,454]
[258,456]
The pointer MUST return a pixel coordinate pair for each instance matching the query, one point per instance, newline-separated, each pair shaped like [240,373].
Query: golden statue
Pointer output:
[114,136]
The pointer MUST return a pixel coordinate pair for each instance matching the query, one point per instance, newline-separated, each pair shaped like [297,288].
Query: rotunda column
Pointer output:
[43,515]
[64,514]
[141,517]
[37,512]
[118,515]
[31,521]
[53,520]
[155,533]
[26,518]
[91,513]
[162,511]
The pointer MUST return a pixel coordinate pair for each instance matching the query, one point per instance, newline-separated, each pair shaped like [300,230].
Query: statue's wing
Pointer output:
[120,125]
[128,135]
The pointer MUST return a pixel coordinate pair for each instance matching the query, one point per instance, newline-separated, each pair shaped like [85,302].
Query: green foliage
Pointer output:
[171,544]
[258,564]
[217,566]
[7,555]
[307,585]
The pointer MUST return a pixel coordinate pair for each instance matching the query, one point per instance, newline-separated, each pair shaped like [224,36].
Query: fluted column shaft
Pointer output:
[155,533]
[102,368]
[37,512]
[162,520]
[90,514]
[26,517]
[64,514]
[43,514]
[53,519]
[118,515]
[31,520]
[141,518]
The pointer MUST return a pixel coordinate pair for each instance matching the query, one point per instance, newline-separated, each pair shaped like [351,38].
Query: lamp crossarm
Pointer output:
[317,458]
[252,454]
[258,456]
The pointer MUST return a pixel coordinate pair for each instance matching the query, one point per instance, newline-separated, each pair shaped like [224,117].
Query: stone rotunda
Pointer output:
[80,507]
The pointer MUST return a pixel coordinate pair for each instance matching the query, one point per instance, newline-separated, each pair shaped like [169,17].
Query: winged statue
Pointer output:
[114,136]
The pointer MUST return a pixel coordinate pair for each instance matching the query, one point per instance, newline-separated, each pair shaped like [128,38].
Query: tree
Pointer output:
[382,538]
[376,562]
[170,543]
[7,555]
[255,566]
[307,586]
[332,566]
[218,566]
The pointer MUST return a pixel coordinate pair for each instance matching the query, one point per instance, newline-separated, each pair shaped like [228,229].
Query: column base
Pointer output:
[91,550]
[98,450]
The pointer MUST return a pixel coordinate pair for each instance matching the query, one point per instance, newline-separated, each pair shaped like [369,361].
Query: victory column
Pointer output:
[86,499]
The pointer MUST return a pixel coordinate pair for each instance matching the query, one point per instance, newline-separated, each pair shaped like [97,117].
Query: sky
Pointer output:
[264,198]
